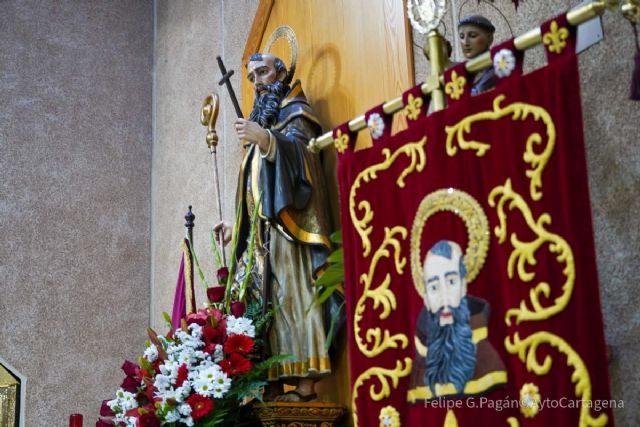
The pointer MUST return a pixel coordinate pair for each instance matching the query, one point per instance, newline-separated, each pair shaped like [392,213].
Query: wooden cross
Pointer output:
[226,76]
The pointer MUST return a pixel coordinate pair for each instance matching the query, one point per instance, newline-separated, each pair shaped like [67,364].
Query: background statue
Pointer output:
[454,356]
[294,215]
[476,36]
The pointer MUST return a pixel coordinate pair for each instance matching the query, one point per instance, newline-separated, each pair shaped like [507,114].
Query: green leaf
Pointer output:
[336,237]
[274,360]
[199,270]
[253,389]
[167,319]
[332,328]
[326,293]
[331,276]
[336,256]
[215,249]
[250,249]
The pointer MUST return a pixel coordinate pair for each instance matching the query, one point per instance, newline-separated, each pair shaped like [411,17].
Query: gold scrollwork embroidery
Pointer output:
[455,88]
[526,351]
[341,142]
[555,39]
[524,253]
[518,111]
[383,375]
[412,109]
[381,295]
[418,160]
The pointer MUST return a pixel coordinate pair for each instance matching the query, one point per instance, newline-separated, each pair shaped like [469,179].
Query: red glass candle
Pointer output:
[75,420]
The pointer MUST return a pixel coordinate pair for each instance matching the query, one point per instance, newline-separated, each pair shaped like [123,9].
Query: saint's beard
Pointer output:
[451,356]
[265,107]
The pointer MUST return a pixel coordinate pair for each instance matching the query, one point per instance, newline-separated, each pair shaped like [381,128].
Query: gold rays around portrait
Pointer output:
[469,210]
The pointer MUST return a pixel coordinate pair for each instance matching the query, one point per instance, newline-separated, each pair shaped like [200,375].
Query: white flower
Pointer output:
[221,385]
[123,402]
[162,382]
[240,326]
[170,368]
[375,125]
[151,353]
[503,63]
[196,330]
[203,386]
[184,409]
[172,416]
[218,353]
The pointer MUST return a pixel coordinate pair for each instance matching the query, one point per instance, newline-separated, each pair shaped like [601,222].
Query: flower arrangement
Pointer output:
[201,373]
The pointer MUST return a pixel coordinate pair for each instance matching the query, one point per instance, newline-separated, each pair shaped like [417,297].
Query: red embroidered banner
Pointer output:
[471,282]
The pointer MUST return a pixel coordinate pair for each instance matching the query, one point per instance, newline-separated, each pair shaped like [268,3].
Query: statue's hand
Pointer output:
[253,133]
[225,229]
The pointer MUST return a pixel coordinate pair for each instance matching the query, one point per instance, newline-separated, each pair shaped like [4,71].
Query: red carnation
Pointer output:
[149,392]
[236,364]
[238,344]
[223,274]
[105,410]
[212,335]
[200,406]
[182,374]
[129,384]
[103,423]
[148,419]
[130,369]
[238,308]
[198,317]
[215,293]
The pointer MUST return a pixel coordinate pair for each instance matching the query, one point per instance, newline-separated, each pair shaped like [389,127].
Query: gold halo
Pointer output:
[288,33]
[470,211]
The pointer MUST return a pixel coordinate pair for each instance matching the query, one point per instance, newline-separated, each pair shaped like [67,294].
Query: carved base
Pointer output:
[300,414]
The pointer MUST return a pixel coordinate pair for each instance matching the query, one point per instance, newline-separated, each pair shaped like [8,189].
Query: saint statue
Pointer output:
[454,356]
[476,36]
[293,218]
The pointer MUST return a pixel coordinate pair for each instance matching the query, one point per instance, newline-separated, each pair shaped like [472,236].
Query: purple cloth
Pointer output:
[179,311]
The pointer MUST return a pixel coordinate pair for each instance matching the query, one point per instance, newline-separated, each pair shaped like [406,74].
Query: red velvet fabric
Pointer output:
[564,198]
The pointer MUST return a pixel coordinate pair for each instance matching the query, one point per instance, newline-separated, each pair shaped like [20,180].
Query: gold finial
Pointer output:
[631,10]
[208,118]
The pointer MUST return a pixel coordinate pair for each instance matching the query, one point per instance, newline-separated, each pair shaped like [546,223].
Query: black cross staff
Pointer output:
[226,76]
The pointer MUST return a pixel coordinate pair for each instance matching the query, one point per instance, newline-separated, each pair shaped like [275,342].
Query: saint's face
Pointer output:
[474,40]
[443,285]
[261,73]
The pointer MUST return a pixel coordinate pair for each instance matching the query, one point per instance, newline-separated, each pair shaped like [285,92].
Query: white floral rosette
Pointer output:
[504,62]
[375,123]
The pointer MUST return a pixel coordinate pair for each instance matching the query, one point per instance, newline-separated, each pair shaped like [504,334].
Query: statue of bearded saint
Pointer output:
[279,170]
[454,357]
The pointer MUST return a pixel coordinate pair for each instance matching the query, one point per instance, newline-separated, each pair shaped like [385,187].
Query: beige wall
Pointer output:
[75,159]
[189,36]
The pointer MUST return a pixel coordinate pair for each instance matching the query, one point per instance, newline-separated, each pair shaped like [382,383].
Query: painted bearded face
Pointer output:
[445,284]
[263,73]
[451,355]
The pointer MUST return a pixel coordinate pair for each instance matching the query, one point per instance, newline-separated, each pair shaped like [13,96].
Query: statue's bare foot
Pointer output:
[295,396]
[272,392]
[304,392]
